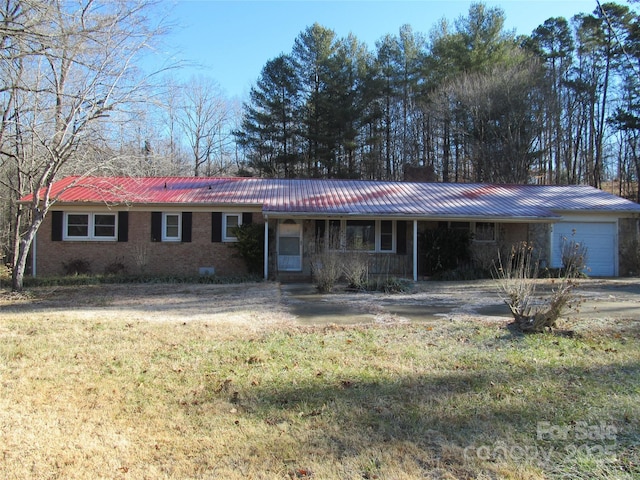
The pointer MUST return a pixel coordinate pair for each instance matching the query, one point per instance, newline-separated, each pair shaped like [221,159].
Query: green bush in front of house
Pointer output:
[250,246]
[444,249]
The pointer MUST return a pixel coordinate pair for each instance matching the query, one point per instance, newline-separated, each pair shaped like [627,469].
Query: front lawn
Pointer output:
[103,396]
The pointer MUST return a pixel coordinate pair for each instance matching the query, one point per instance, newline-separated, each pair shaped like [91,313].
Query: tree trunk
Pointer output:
[15,234]
[446,150]
[20,264]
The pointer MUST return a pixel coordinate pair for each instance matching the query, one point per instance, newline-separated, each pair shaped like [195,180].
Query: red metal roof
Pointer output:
[344,197]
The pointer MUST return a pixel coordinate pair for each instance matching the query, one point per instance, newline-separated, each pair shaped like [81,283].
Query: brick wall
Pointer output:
[539,239]
[629,246]
[139,253]
[485,254]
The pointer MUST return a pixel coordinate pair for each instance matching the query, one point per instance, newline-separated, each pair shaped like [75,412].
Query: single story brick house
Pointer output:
[184,226]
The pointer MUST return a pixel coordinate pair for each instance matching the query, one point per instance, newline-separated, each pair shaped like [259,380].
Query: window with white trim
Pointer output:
[387,236]
[366,235]
[485,232]
[90,226]
[229,222]
[104,225]
[171,227]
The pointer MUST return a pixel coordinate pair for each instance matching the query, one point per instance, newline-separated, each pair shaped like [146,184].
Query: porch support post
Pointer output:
[266,248]
[415,250]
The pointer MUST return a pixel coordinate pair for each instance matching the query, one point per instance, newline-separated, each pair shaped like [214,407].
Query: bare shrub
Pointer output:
[393,285]
[140,253]
[327,262]
[77,266]
[326,268]
[117,267]
[355,267]
[574,256]
[514,278]
[484,256]
[517,282]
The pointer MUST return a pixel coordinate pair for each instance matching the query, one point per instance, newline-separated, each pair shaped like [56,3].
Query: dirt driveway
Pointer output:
[429,301]
[256,306]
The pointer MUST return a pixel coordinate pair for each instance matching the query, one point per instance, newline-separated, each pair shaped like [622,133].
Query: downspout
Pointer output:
[415,250]
[266,247]
[33,255]
[616,247]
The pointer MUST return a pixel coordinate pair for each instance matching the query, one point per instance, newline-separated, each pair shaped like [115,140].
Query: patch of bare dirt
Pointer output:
[251,305]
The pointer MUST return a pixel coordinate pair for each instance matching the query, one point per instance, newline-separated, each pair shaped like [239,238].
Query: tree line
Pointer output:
[467,102]
[470,102]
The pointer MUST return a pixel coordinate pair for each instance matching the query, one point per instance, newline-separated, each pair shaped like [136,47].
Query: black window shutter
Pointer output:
[186,226]
[56,225]
[401,237]
[156,226]
[216,226]
[123,226]
[247,218]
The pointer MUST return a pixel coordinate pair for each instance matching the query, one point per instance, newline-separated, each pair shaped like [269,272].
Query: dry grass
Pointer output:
[218,382]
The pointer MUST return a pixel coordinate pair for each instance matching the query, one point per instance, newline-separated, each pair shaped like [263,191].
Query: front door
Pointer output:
[289,246]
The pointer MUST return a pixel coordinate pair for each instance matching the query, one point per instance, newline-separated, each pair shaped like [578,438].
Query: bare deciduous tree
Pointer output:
[65,66]
[500,111]
[202,118]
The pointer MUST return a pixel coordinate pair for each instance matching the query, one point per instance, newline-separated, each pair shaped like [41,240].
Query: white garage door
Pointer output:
[600,239]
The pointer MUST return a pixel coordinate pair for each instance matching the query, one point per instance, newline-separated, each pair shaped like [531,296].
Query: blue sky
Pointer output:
[232,40]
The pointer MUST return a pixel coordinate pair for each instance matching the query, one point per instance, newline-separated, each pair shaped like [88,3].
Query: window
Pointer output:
[367,235]
[485,232]
[230,221]
[386,236]
[223,225]
[90,226]
[460,226]
[171,227]
[104,226]
[78,225]
[335,240]
[361,235]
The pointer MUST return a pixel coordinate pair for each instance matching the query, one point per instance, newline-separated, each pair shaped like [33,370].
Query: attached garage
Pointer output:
[599,236]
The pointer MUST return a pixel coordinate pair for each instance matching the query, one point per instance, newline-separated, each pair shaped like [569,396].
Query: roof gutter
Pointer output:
[618,213]
[412,217]
[149,206]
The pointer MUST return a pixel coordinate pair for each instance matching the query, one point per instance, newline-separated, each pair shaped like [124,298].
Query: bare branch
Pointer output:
[65,67]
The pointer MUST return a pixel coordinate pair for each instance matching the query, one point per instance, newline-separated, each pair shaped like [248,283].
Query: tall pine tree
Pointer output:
[270,128]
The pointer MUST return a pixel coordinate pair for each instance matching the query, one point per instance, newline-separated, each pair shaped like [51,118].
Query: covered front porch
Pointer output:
[389,244]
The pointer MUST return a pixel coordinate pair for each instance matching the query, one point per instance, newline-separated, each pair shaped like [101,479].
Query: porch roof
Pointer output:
[315,197]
